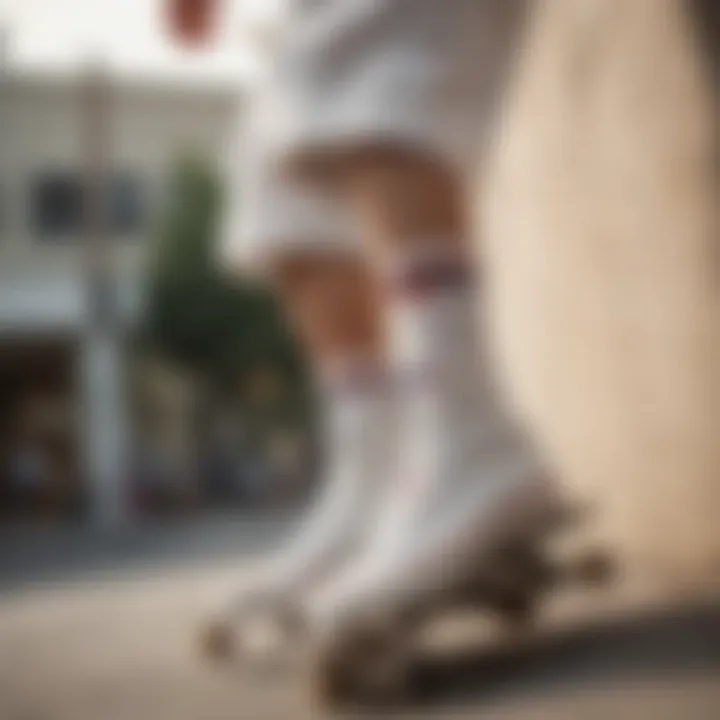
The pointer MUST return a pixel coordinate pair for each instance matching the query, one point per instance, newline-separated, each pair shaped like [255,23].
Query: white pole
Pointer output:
[102,354]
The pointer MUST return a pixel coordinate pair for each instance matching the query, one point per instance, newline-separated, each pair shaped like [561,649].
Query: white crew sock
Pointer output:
[357,404]
[467,480]
[458,440]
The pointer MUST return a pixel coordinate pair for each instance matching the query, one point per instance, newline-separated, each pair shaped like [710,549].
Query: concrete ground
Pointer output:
[101,627]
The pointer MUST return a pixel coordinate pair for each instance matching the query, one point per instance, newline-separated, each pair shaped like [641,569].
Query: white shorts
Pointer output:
[265,215]
[417,75]
[422,75]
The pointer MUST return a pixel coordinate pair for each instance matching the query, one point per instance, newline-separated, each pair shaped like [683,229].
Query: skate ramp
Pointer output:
[633,649]
[599,219]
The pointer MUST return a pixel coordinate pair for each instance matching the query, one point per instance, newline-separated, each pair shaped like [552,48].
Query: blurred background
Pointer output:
[136,379]
[157,423]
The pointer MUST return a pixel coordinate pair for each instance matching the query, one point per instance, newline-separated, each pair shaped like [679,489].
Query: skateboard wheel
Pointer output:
[594,568]
[333,682]
[527,569]
[260,641]
[518,609]
[217,642]
[336,673]
[360,666]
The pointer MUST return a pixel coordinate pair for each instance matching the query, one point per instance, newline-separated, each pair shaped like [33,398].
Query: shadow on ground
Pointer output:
[668,645]
[32,556]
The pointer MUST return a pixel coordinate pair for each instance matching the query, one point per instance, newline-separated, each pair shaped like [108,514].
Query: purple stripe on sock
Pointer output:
[357,380]
[424,278]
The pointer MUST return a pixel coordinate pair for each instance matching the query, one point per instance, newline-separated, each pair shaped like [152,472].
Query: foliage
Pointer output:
[221,328]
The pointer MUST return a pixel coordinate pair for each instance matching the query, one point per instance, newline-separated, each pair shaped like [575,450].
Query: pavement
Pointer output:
[101,626]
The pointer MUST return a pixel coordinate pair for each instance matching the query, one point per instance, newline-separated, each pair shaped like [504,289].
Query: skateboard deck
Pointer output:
[371,659]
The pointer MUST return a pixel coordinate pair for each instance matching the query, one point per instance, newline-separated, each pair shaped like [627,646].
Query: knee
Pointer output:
[402,198]
[329,298]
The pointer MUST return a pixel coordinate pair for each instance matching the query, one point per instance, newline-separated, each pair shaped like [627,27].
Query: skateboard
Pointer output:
[370,659]
[222,643]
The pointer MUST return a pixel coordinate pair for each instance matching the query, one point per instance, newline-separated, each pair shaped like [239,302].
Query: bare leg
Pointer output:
[466,476]
[332,304]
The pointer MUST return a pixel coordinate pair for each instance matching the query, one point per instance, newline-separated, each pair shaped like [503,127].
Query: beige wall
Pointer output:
[601,234]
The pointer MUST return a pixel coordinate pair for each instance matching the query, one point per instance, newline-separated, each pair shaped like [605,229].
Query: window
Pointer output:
[58,205]
[127,204]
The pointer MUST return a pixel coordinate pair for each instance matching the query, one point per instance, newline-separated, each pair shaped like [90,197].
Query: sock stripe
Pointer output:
[423,279]
[358,379]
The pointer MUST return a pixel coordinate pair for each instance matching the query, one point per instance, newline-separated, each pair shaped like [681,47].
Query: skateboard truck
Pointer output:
[369,659]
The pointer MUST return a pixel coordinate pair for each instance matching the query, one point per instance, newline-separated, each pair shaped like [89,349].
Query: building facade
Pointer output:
[62,383]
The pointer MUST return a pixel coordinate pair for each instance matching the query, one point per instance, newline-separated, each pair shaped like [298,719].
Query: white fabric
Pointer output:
[266,215]
[467,480]
[419,73]
[358,436]
[457,437]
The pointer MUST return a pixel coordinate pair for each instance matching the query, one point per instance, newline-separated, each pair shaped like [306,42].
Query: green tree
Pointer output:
[223,329]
